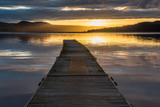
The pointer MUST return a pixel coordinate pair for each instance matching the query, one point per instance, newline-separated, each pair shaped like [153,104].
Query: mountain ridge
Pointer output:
[26,26]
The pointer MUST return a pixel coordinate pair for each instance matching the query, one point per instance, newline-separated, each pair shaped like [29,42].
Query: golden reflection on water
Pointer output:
[100,39]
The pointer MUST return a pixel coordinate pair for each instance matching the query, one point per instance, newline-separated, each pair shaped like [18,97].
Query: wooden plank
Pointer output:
[77,80]
[77,66]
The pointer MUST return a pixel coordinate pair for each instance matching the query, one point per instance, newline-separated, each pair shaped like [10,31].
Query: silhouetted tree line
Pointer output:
[140,27]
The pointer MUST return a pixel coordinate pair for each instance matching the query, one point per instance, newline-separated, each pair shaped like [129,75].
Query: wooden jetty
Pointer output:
[77,80]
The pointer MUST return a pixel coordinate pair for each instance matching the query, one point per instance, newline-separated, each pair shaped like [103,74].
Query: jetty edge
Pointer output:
[77,80]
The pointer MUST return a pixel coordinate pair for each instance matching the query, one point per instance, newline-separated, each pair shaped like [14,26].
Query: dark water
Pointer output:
[133,60]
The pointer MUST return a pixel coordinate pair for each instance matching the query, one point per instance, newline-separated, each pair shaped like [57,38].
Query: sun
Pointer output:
[97,22]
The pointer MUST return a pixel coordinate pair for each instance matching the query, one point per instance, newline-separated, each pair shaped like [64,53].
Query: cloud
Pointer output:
[145,3]
[14,8]
[11,10]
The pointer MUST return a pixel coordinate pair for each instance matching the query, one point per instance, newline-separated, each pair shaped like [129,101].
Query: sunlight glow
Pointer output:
[121,8]
[76,9]
[97,23]
[73,9]
[15,7]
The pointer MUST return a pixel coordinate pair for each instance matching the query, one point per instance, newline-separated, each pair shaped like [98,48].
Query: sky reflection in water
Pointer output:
[133,61]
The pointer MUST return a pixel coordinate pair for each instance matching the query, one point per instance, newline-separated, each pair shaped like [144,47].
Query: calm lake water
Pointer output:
[133,60]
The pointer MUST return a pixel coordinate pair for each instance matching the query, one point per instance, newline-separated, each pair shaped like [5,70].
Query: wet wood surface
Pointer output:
[77,80]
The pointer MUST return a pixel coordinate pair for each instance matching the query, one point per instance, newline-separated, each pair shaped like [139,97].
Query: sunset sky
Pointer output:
[106,13]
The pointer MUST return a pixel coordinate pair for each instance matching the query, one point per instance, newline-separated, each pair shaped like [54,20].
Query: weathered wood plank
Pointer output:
[77,80]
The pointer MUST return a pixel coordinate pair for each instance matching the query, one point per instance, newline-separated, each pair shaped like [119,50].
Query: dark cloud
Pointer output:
[145,3]
[61,3]
[150,4]
[52,9]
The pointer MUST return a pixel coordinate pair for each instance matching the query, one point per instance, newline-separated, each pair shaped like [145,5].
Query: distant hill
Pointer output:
[140,27]
[25,26]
